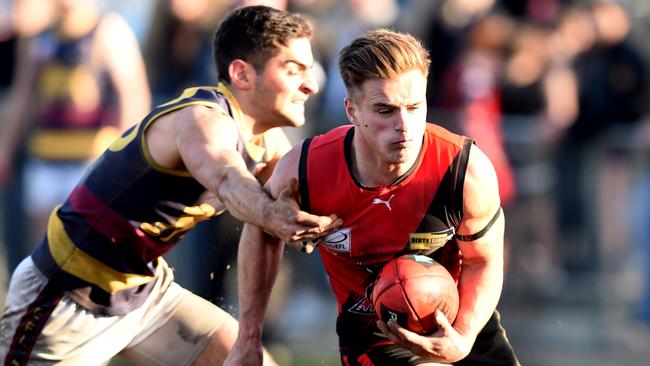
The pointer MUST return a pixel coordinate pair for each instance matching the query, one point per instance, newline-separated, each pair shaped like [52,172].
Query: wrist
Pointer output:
[250,334]
[266,212]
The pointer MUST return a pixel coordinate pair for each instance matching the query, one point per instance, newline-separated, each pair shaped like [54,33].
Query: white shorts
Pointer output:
[48,184]
[171,328]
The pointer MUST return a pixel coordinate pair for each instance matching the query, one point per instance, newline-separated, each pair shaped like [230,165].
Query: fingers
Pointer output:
[387,331]
[404,335]
[308,246]
[304,246]
[321,222]
[300,225]
[312,229]
[443,322]
[391,330]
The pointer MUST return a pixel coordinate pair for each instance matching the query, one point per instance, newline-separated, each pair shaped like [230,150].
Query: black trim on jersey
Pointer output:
[460,168]
[445,211]
[302,175]
[478,235]
[347,153]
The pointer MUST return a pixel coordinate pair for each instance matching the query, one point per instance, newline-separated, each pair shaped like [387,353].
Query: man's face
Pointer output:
[390,116]
[282,88]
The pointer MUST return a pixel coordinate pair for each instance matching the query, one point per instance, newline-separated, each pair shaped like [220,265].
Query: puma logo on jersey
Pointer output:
[377,201]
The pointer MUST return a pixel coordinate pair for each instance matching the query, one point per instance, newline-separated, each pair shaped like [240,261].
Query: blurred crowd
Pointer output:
[554,91]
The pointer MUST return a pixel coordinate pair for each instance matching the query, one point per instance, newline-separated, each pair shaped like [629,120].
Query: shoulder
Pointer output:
[439,133]
[196,102]
[114,34]
[286,170]
[332,136]
[113,24]
[277,143]
[197,119]
[213,116]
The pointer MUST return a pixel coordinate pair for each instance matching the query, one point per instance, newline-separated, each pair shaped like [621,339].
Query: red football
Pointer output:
[410,289]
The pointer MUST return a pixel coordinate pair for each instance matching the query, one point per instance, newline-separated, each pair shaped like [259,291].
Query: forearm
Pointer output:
[244,197]
[479,288]
[14,121]
[10,134]
[258,262]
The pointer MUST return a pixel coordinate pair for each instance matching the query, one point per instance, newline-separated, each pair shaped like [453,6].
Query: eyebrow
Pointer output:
[389,105]
[383,105]
[300,64]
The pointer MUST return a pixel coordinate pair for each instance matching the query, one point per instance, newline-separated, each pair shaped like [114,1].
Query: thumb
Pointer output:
[443,322]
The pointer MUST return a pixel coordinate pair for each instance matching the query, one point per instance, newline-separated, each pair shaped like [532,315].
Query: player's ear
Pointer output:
[242,74]
[351,111]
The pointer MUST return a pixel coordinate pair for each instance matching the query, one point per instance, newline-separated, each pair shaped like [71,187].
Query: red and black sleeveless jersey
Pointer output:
[418,213]
[103,242]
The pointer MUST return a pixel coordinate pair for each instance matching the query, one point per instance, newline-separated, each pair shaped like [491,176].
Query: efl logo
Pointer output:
[338,241]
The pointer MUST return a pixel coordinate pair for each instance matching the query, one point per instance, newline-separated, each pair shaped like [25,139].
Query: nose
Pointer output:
[401,121]
[309,84]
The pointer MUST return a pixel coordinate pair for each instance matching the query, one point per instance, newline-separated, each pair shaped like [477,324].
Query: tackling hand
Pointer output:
[296,228]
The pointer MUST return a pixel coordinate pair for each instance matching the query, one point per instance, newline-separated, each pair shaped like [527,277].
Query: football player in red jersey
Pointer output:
[401,185]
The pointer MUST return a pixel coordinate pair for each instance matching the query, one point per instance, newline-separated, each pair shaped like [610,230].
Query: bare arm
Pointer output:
[481,276]
[120,54]
[15,118]
[258,262]
[203,141]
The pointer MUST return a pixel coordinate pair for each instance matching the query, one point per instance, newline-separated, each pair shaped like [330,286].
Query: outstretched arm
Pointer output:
[258,262]
[481,276]
[206,146]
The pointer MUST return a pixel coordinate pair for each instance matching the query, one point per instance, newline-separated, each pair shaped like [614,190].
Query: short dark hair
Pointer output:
[254,34]
[380,54]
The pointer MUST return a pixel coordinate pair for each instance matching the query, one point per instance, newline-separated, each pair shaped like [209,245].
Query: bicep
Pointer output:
[206,139]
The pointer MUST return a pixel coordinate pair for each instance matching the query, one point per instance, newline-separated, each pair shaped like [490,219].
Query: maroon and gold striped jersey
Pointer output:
[104,241]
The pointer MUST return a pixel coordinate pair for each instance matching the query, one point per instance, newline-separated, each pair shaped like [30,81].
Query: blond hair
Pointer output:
[381,54]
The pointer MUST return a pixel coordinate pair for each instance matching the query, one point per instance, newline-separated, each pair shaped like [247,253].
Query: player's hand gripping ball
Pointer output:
[410,288]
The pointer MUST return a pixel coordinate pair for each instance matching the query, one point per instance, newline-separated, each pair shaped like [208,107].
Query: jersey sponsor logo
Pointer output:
[338,241]
[191,215]
[377,201]
[430,241]
[363,307]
